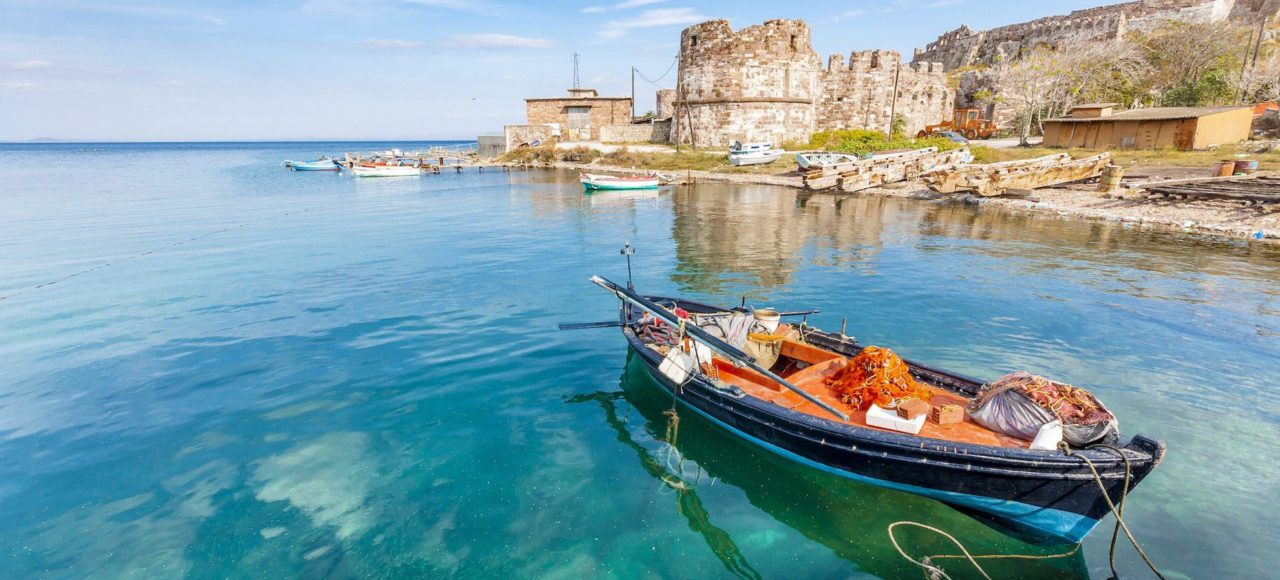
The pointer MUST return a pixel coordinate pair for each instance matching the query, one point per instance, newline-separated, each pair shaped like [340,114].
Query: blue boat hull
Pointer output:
[315,166]
[1044,496]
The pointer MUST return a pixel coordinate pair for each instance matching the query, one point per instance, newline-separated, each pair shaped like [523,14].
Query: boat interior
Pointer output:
[807,366]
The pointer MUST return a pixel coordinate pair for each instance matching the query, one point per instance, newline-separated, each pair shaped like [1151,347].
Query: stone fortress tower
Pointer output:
[757,84]
[765,82]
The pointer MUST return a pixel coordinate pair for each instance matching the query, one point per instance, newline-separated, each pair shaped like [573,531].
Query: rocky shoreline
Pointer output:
[1214,217]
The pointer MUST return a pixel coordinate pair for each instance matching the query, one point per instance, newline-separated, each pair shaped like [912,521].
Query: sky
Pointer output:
[202,70]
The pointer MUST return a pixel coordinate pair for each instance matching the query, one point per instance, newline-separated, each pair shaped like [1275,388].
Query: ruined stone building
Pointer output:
[964,46]
[765,82]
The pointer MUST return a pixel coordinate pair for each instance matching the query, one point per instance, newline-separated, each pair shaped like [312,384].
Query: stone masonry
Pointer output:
[556,111]
[863,94]
[765,82]
[965,47]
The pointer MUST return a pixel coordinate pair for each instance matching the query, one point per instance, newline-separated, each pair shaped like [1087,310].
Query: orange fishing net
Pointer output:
[875,375]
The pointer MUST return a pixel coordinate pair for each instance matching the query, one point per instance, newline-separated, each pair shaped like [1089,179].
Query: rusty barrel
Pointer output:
[1224,168]
[1245,167]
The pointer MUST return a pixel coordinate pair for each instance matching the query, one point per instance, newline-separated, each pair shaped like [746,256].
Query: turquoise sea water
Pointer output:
[213,367]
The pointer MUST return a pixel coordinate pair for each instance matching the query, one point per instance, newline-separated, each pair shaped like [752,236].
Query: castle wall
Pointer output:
[964,47]
[765,82]
[862,94]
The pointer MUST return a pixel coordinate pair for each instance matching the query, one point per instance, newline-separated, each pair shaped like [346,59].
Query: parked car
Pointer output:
[952,135]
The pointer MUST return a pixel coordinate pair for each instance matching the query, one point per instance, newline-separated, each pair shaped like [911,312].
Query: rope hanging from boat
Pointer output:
[936,572]
[1119,513]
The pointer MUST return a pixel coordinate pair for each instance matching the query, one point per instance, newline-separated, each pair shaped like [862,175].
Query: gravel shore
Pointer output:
[1217,217]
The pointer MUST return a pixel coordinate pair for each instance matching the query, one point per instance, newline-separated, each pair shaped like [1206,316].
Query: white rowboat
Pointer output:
[591,182]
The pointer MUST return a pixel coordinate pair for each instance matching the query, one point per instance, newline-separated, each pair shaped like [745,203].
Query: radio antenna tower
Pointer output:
[575,70]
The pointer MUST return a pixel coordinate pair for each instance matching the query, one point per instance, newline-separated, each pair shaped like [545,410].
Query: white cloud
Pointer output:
[30,64]
[856,12]
[21,85]
[652,19]
[634,3]
[214,20]
[454,4]
[943,3]
[495,41]
[392,43]
[593,9]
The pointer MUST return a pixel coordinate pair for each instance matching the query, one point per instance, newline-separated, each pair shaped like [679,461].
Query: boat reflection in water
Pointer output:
[849,518]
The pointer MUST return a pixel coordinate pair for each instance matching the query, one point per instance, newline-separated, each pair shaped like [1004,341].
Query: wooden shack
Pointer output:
[1096,126]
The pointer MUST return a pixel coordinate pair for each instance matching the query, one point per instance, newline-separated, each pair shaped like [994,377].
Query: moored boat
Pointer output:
[1050,495]
[370,170]
[321,164]
[592,181]
[758,153]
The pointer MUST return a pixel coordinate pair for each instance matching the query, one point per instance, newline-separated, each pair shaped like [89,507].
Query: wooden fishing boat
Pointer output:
[592,182]
[1046,495]
[816,159]
[371,170]
[321,164]
[760,153]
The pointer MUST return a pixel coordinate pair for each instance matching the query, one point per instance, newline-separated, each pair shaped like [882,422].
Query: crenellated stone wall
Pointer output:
[964,46]
[765,83]
[875,86]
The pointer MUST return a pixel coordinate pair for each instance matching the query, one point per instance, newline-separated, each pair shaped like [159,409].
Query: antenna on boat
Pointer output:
[628,251]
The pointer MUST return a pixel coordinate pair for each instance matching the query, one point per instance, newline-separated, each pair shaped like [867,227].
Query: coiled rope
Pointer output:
[935,572]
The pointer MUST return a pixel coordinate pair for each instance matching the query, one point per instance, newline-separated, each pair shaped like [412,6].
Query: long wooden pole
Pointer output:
[711,342]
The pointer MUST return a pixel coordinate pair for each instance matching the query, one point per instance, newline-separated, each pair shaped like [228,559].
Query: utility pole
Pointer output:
[893,105]
[575,70]
[633,93]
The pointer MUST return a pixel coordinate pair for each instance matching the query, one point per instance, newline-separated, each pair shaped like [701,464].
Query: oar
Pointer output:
[710,341]
[790,313]
[586,325]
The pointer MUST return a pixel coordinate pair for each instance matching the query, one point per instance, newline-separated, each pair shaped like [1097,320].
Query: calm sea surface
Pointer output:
[213,367]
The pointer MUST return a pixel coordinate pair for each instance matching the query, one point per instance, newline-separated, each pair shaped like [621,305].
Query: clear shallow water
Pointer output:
[239,370]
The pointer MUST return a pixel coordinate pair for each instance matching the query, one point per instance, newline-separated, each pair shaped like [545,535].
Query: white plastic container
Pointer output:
[677,365]
[878,416]
[1049,436]
[768,318]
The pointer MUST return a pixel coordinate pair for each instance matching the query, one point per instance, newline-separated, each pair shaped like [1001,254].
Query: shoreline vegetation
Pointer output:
[1079,200]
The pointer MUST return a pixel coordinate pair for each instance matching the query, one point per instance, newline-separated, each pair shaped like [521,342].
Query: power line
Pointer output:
[664,75]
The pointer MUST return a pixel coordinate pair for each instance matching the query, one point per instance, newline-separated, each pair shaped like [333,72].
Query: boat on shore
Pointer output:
[759,153]
[321,164]
[1047,495]
[816,159]
[383,170]
[593,182]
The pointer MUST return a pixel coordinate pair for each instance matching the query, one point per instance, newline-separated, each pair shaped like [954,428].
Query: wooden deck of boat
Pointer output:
[812,379]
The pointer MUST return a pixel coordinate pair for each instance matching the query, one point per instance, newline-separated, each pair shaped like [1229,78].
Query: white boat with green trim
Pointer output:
[593,182]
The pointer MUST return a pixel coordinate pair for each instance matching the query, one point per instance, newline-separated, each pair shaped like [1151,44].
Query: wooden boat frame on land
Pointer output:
[1042,495]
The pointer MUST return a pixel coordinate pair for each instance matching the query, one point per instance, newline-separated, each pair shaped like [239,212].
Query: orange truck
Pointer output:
[967,122]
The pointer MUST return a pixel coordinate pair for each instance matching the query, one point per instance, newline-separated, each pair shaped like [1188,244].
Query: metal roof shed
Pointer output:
[1183,128]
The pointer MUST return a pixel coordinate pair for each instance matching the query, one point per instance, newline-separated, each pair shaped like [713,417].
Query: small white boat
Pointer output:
[816,159]
[365,170]
[759,153]
[592,182]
